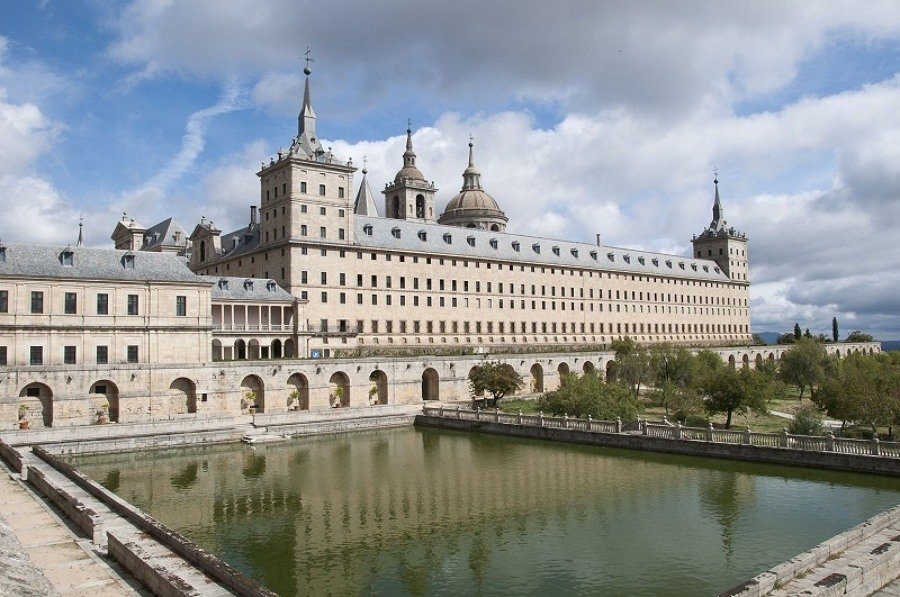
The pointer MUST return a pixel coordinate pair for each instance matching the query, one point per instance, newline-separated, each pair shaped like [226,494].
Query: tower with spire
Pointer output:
[473,207]
[305,191]
[410,196]
[723,243]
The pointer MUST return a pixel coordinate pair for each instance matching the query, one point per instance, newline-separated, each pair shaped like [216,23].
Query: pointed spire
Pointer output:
[409,156]
[306,122]
[718,221]
[471,175]
[365,200]
[80,242]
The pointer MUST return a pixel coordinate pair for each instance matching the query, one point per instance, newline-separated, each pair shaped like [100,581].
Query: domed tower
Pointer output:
[723,244]
[410,196]
[472,207]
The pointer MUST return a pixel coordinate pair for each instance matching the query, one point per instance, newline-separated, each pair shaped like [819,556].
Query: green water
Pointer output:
[434,512]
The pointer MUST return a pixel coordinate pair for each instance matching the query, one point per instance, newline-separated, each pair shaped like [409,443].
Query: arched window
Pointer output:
[420,206]
[396,211]
[202,250]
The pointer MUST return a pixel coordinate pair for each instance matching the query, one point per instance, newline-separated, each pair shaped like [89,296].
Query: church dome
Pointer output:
[473,207]
[409,173]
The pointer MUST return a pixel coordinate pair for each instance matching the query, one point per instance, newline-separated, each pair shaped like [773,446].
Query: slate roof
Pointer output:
[365,201]
[243,240]
[379,233]
[238,289]
[163,234]
[45,261]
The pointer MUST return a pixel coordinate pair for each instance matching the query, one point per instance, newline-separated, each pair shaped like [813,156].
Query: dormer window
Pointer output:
[627,258]
[555,250]
[655,261]
[706,268]
[694,266]
[248,284]
[423,235]
[717,270]
[395,232]
[575,253]
[223,284]
[516,245]
[270,285]
[593,255]
[611,256]
[448,238]
[2,254]
[128,261]
[681,264]
[67,257]
[367,229]
[471,241]
[493,242]
[641,260]
[536,248]
[669,263]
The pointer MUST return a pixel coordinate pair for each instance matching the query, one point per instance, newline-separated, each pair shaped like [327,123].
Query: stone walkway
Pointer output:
[41,555]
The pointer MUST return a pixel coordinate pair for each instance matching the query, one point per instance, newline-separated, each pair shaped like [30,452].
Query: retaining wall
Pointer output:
[859,463]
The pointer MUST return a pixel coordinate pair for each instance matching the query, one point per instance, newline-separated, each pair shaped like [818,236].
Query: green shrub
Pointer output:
[807,421]
[591,395]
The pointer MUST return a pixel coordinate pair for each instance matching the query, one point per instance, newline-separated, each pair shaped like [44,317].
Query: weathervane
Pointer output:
[309,59]
[715,174]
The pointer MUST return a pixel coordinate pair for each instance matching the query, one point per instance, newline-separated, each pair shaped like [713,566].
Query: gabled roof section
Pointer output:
[240,241]
[169,233]
[43,261]
[365,201]
[400,235]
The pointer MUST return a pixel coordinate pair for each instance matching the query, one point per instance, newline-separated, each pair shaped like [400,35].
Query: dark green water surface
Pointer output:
[435,512]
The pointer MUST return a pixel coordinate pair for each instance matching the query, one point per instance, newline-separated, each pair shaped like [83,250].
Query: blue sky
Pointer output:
[588,117]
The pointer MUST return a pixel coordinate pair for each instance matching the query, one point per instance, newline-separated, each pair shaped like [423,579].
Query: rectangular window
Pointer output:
[322,190]
[132,353]
[37,301]
[341,192]
[180,306]
[322,232]
[36,355]
[341,234]
[102,304]
[303,189]
[132,304]
[4,301]
[102,355]
[69,355]
[324,278]
[302,229]
[71,303]
[3,356]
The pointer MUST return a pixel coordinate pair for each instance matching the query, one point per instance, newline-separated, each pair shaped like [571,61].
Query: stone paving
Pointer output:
[41,555]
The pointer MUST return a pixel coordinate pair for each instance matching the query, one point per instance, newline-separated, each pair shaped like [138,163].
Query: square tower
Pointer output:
[410,196]
[723,244]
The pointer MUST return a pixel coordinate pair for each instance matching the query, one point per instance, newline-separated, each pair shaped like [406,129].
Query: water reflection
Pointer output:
[410,511]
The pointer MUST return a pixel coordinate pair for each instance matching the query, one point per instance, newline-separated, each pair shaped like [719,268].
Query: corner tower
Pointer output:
[410,196]
[723,244]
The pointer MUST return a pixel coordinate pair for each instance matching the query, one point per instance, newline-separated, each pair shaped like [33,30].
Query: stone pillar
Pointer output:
[829,442]
[618,425]
[876,446]
[519,420]
[496,415]
[441,411]
[566,421]
[541,418]
[785,440]
[747,435]
[458,412]
[709,432]
[590,423]
[679,432]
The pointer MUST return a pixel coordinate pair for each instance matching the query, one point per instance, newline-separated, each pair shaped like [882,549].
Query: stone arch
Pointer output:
[837,352]
[110,395]
[240,349]
[183,392]
[253,393]
[562,369]
[275,351]
[36,395]
[537,378]
[758,361]
[589,367]
[420,206]
[772,356]
[217,354]
[396,210]
[253,350]
[379,381]
[289,349]
[745,361]
[299,384]
[731,361]
[340,389]
[495,228]
[611,370]
[430,385]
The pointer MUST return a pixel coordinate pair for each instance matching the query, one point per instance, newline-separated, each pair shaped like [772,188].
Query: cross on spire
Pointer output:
[715,174]
[309,59]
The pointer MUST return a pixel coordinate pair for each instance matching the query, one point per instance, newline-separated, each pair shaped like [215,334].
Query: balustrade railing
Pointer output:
[808,443]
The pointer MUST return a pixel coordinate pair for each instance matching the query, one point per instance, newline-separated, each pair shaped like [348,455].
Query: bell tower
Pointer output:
[410,196]
[723,243]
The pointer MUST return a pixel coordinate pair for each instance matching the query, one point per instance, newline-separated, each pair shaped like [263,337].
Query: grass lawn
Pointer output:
[527,407]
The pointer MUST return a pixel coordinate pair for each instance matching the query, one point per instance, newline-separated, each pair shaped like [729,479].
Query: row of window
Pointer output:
[304,231]
[70,303]
[70,355]
[533,327]
[273,192]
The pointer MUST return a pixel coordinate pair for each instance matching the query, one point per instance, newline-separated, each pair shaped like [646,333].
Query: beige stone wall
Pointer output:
[161,391]
[160,334]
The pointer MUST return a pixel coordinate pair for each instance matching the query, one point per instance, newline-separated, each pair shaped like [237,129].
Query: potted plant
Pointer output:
[102,414]
[336,396]
[373,395]
[293,398]
[24,423]
[248,402]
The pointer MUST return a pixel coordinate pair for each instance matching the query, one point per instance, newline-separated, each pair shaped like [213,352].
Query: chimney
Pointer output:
[598,239]
[252,215]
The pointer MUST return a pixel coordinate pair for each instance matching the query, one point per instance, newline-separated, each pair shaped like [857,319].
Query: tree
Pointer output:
[807,334]
[786,339]
[858,336]
[797,333]
[495,378]
[803,365]
[591,395]
[861,388]
[807,421]
[834,329]
[632,363]
[672,373]
[728,390]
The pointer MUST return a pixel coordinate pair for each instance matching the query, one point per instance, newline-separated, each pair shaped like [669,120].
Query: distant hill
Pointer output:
[769,337]
[890,345]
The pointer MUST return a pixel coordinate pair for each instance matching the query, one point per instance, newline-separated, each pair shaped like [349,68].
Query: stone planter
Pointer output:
[24,423]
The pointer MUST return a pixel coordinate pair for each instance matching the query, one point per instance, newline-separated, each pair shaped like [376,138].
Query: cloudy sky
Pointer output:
[588,117]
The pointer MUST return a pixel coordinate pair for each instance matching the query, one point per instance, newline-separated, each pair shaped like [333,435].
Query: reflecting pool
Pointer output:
[435,512]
